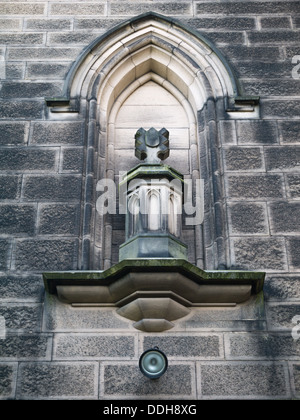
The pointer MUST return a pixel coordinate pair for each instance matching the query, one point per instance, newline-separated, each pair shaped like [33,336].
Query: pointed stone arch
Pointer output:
[189,67]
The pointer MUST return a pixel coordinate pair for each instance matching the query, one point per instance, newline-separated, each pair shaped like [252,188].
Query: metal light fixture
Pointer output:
[153,363]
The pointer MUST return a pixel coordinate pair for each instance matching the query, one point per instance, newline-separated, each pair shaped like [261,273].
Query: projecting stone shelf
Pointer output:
[154,292]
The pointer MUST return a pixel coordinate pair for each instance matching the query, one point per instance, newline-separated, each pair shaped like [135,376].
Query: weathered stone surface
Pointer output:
[293,182]
[57,133]
[289,131]
[296,379]
[257,187]
[46,254]
[207,346]
[93,346]
[281,316]
[293,245]
[257,132]
[59,219]
[8,373]
[58,380]
[261,346]
[285,217]
[283,158]
[260,254]
[21,317]
[20,288]
[13,133]
[26,347]
[20,109]
[126,380]
[282,287]
[52,188]
[243,158]
[238,380]
[5,247]
[10,187]
[63,318]
[248,218]
[17,219]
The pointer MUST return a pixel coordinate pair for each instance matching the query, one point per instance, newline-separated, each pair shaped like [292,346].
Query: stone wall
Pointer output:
[50,350]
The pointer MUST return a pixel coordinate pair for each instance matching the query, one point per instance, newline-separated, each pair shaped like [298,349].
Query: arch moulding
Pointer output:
[151,47]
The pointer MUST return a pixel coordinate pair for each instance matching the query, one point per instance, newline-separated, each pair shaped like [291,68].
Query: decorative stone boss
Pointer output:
[153,284]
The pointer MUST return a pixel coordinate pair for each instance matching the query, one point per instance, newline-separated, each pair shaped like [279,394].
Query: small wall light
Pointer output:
[153,363]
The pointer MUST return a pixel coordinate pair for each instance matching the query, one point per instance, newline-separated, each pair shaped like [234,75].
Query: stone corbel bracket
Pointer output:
[153,292]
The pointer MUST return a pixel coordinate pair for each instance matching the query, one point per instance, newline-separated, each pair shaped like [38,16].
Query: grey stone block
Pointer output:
[93,346]
[293,183]
[12,90]
[228,132]
[247,7]
[21,288]
[48,24]
[28,159]
[59,219]
[260,254]
[13,133]
[280,109]
[226,38]
[165,8]
[256,132]
[14,8]
[222,23]
[250,53]
[5,251]
[52,188]
[10,187]
[47,70]
[289,131]
[20,317]
[274,37]
[61,317]
[271,87]
[72,160]
[243,158]
[125,380]
[69,38]
[77,380]
[57,133]
[26,347]
[47,54]
[11,24]
[21,110]
[244,380]
[8,374]
[255,187]
[75,9]
[46,254]
[283,158]
[206,346]
[285,217]
[261,345]
[293,246]
[280,315]
[247,316]
[275,22]
[282,287]
[248,218]
[21,39]
[17,219]
[99,24]
[296,379]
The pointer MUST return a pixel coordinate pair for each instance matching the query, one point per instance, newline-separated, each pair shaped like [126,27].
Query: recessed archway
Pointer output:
[179,62]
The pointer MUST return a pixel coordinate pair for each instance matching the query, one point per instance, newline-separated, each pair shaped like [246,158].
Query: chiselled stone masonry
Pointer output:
[51,160]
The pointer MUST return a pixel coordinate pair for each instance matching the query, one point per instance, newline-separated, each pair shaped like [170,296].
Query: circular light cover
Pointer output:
[153,363]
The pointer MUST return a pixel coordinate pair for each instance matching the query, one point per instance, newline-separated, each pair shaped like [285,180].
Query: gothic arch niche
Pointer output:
[154,52]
